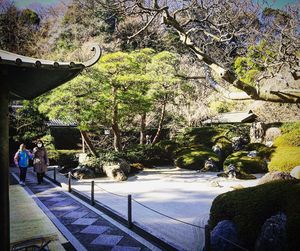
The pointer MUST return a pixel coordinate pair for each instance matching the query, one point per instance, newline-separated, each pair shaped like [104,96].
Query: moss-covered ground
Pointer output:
[249,208]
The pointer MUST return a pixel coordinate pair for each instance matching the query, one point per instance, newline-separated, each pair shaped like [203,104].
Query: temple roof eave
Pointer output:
[28,77]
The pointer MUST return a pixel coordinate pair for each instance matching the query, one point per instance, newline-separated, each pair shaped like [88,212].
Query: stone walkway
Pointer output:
[85,227]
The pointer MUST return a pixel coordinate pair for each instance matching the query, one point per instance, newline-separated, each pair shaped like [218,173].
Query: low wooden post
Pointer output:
[129,217]
[69,181]
[54,173]
[207,238]
[92,193]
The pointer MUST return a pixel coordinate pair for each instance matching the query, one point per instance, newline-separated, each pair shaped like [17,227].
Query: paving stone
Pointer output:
[57,199]
[84,221]
[92,229]
[64,203]
[89,228]
[64,208]
[121,248]
[107,240]
[92,215]
[76,214]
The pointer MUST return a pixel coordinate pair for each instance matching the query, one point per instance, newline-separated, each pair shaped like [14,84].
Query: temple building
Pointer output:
[24,78]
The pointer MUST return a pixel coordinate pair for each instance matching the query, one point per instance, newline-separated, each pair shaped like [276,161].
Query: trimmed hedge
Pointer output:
[245,164]
[249,208]
[194,157]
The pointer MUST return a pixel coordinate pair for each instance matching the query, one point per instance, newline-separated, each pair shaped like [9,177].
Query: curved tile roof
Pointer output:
[28,77]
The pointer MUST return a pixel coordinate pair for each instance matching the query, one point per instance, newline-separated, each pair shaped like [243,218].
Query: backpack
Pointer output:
[23,159]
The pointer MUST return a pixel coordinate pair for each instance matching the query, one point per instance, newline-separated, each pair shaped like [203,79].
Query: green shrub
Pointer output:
[194,157]
[210,135]
[66,158]
[249,208]
[245,164]
[148,155]
[198,135]
[168,146]
[285,159]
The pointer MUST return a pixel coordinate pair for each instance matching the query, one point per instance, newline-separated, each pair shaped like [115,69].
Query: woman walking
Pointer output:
[40,161]
[21,159]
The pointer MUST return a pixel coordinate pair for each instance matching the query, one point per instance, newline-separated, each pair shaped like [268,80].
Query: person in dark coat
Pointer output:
[40,161]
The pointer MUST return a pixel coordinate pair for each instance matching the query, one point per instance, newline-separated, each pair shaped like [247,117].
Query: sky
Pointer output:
[30,3]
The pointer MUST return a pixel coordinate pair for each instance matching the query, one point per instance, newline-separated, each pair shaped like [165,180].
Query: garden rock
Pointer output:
[226,229]
[117,170]
[82,158]
[276,175]
[252,154]
[257,132]
[82,172]
[209,166]
[273,234]
[272,133]
[295,172]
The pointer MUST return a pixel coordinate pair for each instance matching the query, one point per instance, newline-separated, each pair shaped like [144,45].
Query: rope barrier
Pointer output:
[187,223]
[162,214]
[231,242]
[119,195]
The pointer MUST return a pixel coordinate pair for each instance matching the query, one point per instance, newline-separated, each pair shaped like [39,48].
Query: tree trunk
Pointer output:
[142,128]
[114,122]
[86,140]
[227,75]
[161,120]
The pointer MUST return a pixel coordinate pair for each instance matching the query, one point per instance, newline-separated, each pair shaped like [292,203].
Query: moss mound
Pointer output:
[245,164]
[287,152]
[199,135]
[262,150]
[249,208]
[194,157]
[285,159]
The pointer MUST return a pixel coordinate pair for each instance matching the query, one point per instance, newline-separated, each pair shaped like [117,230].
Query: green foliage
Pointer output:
[199,135]
[168,146]
[209,136]
[19,29]
[245,164]
[290,135]
[262,150]
[48,141]
[148,155]
[285,158]
[27,123]
[249,208]
[65,158]
[221,106]
[287,152]
[247,68]
[194,157]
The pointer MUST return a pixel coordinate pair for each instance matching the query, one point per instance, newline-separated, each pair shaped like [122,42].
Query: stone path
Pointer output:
[83,227]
